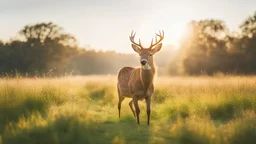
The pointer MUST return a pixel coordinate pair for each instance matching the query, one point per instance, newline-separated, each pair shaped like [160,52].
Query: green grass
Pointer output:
[185,110]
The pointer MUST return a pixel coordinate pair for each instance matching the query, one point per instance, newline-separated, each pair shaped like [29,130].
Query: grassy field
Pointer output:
[79,110]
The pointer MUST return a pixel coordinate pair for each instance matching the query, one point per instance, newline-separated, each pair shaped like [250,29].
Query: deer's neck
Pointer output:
[147,74]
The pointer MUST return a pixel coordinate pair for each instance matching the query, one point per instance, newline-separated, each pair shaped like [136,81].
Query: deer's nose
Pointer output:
[143,62]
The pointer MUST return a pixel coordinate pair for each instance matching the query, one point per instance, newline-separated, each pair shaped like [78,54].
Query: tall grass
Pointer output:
[185,110]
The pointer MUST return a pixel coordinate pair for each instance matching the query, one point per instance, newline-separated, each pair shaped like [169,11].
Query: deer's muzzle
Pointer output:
[143,62]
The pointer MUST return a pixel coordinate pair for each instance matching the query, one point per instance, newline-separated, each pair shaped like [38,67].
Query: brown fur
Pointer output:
[137,83]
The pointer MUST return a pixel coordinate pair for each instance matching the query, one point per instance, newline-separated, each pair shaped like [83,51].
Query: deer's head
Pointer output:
[146,54]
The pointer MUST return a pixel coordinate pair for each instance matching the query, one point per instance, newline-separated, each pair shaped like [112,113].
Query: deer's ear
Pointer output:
[157,48]
[136,48]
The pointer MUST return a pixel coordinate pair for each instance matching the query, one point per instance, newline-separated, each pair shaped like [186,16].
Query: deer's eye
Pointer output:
[150,54]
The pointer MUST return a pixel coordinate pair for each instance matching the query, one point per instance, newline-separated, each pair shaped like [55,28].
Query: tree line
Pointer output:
[45,49]
[208,47]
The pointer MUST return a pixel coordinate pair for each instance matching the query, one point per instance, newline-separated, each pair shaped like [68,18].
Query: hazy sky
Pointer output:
[107,24]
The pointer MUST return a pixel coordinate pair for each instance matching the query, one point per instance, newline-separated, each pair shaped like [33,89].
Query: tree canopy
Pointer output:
[44,47]
[209,47]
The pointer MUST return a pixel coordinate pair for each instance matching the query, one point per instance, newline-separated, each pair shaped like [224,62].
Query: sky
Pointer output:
[107,24]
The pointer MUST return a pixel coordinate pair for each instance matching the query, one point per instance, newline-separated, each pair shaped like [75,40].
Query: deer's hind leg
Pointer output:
[131,106]
[120,100]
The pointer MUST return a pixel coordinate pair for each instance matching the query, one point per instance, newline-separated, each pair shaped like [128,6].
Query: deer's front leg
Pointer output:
[148,103]
[137,109]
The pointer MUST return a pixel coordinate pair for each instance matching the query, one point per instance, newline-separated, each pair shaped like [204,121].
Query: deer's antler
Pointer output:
[132,40]
[161,35]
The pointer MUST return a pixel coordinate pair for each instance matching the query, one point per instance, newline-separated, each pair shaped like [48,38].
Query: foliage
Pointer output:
[46,48]
[209,48]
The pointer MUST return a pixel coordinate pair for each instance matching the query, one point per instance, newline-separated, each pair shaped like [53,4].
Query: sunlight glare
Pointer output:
[177,31]
[173,32]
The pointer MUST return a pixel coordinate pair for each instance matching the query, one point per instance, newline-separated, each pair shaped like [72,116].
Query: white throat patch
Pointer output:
[146,67]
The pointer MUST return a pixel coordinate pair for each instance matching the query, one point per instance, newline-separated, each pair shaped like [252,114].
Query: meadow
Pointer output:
[83,110]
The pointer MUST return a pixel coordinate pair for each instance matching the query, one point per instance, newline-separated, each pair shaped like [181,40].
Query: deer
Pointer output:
[138,83]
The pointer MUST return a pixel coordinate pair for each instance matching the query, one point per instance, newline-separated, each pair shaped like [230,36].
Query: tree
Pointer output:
[204,47]
[243,48]
[45,47]
[248,44]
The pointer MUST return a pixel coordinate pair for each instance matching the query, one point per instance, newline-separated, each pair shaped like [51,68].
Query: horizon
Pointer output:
[106,26]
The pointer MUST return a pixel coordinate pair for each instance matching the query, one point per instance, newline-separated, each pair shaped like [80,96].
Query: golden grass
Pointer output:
[83,109]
